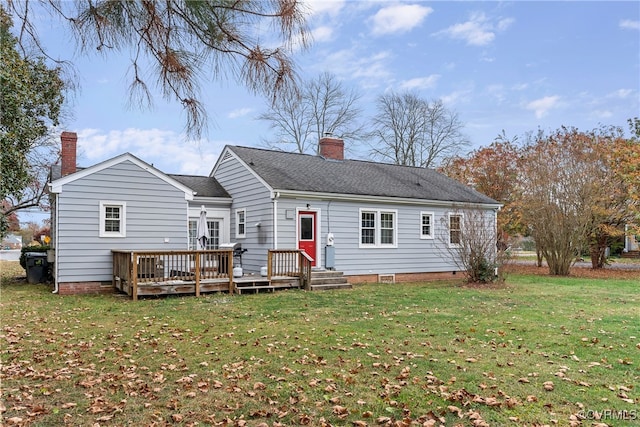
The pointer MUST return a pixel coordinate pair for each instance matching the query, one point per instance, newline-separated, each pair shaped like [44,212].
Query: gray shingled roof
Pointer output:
[302,172]
[204,186]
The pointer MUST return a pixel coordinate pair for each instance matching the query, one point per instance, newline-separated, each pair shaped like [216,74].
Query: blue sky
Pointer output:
[517,66]
[513,66]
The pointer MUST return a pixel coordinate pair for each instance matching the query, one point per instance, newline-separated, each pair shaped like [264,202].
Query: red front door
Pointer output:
[307,234]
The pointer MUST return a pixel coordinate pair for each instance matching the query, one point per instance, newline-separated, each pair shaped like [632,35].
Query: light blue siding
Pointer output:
[250,194]
[156,218]
[412,254]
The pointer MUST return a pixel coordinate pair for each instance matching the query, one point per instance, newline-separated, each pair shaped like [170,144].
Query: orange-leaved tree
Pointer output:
[493,171]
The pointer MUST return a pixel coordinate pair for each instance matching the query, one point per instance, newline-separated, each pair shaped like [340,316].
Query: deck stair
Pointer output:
[631,254]
[328,279]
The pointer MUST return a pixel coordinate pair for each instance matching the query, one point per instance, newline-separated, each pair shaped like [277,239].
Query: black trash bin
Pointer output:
[37,267]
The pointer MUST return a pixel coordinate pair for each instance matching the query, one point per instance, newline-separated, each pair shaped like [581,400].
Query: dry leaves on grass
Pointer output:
[587,273]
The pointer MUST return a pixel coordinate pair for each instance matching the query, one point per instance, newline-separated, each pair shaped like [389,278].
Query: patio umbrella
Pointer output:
[203,229]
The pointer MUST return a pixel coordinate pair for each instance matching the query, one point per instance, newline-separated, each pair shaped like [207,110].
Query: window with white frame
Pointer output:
[426,225]
[113,219]
[241,223]
[213,242]
[455,229]
[377,228]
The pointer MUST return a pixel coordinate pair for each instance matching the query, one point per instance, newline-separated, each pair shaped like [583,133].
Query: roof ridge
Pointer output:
[368,161]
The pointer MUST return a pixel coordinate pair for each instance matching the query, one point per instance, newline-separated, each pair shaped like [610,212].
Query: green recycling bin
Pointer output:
[37,267]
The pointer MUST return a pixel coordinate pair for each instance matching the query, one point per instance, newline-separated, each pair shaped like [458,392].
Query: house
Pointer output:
[11,241]
[631,243]
[372,221]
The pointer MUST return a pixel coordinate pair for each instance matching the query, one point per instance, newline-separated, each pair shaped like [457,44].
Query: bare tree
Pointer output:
[185,40]
[556,195]
[322,105]
[470,236]
[409,130]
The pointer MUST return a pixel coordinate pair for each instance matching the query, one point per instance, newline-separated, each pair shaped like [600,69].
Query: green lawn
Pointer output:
[537,351]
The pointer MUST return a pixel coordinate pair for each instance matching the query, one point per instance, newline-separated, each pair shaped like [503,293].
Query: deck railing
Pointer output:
[153,267]
[166,271]
[292,263]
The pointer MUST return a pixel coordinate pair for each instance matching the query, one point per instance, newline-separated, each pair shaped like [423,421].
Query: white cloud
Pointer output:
[240,112]
[477,31]
[542,106]
[457,97]
[420,82]
[497,92]
[602,114]
[399,18]
[505,23]
[628,24]
[330,7]
[322,34]
[371,70]
[621,93]
[166,150]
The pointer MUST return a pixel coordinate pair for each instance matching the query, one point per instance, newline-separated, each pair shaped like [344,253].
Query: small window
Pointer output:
[426,225]
[306,228]
[455,229]
[112,219]
[241,223]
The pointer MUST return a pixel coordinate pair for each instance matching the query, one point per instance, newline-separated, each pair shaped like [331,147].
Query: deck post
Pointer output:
[232,285]
[197,265]
[305,270]
[134,276]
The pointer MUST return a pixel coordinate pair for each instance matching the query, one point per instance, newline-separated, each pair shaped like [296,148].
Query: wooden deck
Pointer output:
[147,273]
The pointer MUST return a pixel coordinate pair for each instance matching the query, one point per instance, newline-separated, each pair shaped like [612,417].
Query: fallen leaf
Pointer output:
[455,410]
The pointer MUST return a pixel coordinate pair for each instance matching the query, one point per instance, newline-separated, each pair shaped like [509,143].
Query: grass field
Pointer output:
[535,351]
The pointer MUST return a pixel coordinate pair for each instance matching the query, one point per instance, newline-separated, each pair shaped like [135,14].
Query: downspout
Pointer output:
[274,199]
[495,247]
[55,247]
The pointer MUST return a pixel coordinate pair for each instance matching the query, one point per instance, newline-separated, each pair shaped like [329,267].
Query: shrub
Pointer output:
[25,249]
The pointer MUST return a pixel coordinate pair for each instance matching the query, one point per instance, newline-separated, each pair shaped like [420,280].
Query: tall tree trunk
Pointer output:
[598,251]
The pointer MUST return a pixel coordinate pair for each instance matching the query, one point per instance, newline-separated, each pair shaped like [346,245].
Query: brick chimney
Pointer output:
[331,148]
[69,142]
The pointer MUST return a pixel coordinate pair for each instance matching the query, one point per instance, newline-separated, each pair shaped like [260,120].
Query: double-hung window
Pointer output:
[113,219]
[455,230]
[426,225]
[378,228]
[241,223]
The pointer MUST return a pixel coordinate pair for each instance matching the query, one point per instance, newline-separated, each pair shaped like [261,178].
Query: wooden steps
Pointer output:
[320,280]
[327,279]
[630,254]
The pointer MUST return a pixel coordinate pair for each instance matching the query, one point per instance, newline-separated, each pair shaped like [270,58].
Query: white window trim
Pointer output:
[123,219]
[378,228]
[452,214]
[431,224]
[238,234]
